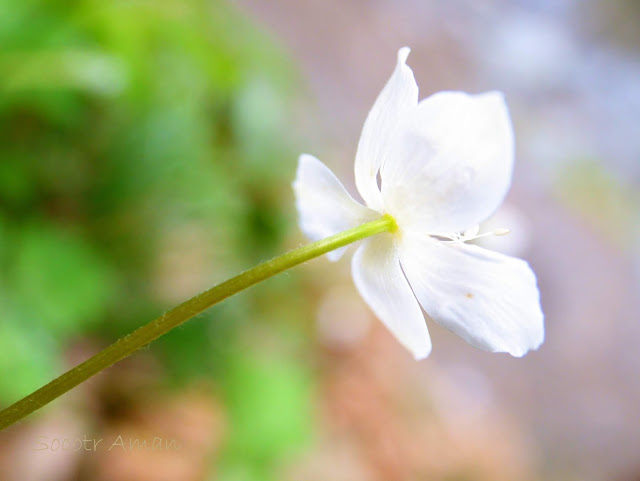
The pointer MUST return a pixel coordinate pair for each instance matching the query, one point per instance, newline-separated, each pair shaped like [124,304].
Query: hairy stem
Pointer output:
[130,343]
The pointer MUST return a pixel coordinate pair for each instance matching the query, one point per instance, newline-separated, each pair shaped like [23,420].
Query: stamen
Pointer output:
[468,235]
[497,232]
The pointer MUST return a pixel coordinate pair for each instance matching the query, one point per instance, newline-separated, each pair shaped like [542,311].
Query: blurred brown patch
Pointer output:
[164,439]
[386,416]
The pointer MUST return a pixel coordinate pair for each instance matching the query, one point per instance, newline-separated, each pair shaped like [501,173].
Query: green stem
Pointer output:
[130,343]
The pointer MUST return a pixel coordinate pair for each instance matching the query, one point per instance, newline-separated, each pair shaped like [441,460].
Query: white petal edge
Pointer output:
[379,279]
[489,299]
[324,206]
[398,97]
[451,165]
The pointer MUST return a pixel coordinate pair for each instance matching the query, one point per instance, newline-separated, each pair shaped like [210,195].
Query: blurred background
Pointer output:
[146,152]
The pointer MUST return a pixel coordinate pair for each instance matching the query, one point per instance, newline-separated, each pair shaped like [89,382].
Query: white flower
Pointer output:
[444,165]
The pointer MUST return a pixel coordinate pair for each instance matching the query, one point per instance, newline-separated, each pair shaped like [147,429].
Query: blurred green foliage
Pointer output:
[143,157]
[269,410]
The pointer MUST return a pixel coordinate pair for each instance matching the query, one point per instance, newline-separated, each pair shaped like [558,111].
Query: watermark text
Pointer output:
[117,443]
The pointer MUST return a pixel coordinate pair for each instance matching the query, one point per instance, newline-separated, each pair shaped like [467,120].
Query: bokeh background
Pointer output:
[146,152]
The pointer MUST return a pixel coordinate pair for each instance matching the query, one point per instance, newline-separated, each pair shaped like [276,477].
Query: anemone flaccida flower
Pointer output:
[438,167]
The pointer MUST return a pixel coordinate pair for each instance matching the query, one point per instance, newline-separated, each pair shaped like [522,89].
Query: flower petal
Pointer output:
[489,299]
[451,164]
[379,279]
[398,96]
[324,206]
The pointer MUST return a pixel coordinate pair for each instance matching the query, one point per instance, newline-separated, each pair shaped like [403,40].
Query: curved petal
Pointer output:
[324,206]
[379,279]
[398,96]
[451,165]
[489,299]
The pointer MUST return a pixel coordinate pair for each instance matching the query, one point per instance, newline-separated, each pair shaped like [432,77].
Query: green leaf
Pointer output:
[59,280]
[269,402]
[28,357]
